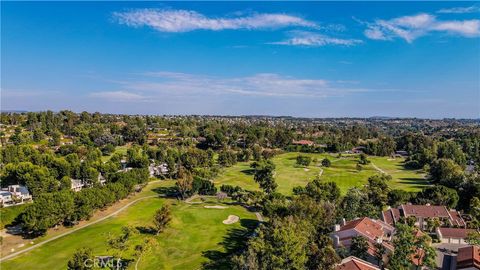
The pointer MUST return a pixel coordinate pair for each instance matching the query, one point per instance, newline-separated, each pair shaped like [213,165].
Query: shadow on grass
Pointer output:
[146,230]
[414,182]
[234,241]
[170,192]
[248,171]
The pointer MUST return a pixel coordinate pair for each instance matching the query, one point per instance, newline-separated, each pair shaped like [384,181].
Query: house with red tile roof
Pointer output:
[453,235]
[374,231]
[468,258]
[354,263]
[303,142]
[422,213]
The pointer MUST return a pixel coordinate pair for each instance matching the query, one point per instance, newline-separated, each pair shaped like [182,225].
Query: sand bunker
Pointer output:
[231,219]
[305,169]
[215,206]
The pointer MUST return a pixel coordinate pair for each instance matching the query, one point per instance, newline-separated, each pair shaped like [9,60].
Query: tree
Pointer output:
[446,172]
[363,159]
[424,254]
[356,204]
[358,167]
[184,184]
[380,252]
[359,247]
[377,190]
[412,248]
[404,242]
[82,259]
[475,208]
[322,255]
[438,195]
[320,190]
[433,224]
[282,244]
[326,162]
[303,160]
[162,217]
[264,176]
[473,238]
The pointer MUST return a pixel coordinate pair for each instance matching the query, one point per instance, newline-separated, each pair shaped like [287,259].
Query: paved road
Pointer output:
[15,254]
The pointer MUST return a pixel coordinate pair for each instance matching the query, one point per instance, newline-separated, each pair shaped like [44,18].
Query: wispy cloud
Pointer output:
[459,10]
[412,27]
[311,39]
[188,20]
[118,96]
[162,85]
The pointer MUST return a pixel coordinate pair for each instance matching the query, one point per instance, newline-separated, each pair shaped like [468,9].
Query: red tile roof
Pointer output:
[455,232]
[303,142]
[354,263]
[391,216]
[468,257]
[430,211]
[457,219]
[370,229]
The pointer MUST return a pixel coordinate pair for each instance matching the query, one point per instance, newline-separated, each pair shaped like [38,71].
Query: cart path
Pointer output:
[15,254]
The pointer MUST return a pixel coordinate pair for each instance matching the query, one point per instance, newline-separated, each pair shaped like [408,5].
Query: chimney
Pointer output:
[337,227]
[336,241]
[427,204]
[343,222]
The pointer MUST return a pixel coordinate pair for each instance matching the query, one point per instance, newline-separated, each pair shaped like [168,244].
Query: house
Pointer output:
[453,235]
[20,192]
[13,195]
[358,150]
[422,213]
[101,180]
[354,263]
[77,184]
[468,258]
[159,170]
[374,231]
[5,198]
[401,153]
[303,142]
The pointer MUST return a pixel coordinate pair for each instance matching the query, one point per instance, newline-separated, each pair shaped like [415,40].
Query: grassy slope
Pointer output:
[193,230]
[8,214]
[342,171]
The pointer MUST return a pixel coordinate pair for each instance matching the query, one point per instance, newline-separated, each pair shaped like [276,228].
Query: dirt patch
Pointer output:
[215,206]
[305,169]
[231,219]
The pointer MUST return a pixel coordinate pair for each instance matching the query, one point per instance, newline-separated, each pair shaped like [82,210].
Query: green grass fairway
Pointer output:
[119,149]
[408,180]
[193,237]
[342,171]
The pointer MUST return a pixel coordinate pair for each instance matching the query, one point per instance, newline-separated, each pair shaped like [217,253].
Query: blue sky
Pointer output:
[314,59]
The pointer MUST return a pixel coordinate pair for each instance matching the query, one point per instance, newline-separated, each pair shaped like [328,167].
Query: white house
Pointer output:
[77,184]
[14,194]
[5,198]
[161,169]
[101,179]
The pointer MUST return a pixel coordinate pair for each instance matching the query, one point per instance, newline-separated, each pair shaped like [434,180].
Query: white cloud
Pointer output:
[459,10]
[410,28]
[118,96]
[188,20]
[310,39]
[167,85]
